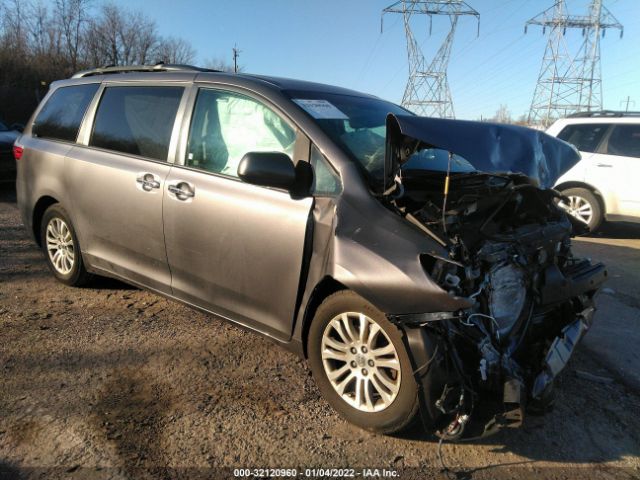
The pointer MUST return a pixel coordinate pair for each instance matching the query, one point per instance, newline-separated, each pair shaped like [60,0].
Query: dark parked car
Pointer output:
[422,266]
[8,135]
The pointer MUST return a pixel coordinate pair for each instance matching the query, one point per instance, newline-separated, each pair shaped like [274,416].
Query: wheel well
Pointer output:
[595,191]
[327,286]
[38,212]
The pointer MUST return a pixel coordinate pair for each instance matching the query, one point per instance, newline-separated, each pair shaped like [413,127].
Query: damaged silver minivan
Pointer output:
[422,266]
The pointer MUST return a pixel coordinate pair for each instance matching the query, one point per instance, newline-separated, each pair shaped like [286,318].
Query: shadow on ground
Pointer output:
[9,472]
[618,231]
[8,192]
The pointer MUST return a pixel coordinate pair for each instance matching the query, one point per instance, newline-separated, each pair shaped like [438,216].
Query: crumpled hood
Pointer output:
[8,137]
[489,147]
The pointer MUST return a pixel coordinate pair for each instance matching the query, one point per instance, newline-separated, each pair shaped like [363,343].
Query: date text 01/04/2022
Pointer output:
[315,472]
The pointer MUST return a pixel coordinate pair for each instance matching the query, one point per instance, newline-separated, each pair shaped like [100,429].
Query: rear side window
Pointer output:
[625,141]
[585,137]
[61,116]
[136,120]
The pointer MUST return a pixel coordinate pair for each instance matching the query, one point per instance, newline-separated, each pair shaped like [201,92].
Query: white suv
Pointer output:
[603,184]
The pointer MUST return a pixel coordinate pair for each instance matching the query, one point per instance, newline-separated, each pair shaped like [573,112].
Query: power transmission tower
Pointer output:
[427,92]
[566,83]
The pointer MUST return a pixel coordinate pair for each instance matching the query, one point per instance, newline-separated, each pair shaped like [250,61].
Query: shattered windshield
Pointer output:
[358,126]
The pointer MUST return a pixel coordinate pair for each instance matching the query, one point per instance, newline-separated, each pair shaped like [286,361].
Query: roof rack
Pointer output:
[159,67]
[603,113]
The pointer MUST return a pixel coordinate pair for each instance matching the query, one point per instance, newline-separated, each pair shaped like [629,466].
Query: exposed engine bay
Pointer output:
[509,254]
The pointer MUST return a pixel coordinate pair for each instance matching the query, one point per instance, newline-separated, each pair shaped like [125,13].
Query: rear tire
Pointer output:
[584,205]
[382,394]
[61,248]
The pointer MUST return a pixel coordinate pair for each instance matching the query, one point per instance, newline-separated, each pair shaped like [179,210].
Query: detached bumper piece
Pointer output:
[561,350]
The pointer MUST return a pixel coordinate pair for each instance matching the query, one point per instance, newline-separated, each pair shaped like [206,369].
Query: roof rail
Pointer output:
[604,113]
[159,67]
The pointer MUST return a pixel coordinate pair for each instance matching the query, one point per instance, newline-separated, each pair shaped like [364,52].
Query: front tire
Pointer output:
[360,364]
[584,205]
[61,248]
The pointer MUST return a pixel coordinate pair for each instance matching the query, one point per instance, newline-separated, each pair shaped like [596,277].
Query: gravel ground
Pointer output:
[115,382]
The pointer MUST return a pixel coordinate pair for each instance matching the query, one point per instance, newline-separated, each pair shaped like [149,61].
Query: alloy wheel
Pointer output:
[360,362]
[60,246]
[579,208]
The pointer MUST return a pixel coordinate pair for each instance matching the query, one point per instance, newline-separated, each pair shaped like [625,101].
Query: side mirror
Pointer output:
[18,127]
[268,169]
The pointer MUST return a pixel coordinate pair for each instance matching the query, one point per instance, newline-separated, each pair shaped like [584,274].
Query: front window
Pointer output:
[325,180]
[226,125]
[3,127]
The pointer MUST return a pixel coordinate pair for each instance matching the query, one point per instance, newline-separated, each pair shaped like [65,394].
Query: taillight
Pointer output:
[17,152]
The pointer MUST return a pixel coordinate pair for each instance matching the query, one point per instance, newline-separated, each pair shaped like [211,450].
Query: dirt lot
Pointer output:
[114,382]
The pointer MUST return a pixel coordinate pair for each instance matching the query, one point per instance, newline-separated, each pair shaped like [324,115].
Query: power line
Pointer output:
[374,49]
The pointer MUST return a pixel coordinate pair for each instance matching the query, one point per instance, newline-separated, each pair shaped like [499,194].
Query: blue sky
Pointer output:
[339,42]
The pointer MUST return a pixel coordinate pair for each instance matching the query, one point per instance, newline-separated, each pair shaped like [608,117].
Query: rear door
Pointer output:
[116,179]
[621,151]
[46,143]
[233,248]
[602,173]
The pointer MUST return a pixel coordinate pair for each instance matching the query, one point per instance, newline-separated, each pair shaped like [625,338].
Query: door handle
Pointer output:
[607,165]
[182,190]
[148,181]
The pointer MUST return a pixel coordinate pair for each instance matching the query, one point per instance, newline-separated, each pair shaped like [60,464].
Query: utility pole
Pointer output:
[427,92]
[566,83]
[627,102]
[236,54]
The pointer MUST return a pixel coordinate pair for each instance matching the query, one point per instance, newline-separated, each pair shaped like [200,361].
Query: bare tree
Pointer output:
[503,115]
[147,42]
[175,50]
[216,63]
[121,37]
[71,15]
[130,30]
[106,31]
[43,40]
[522,119]
[13,36]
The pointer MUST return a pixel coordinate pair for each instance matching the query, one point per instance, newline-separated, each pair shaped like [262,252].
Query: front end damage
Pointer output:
[509,255]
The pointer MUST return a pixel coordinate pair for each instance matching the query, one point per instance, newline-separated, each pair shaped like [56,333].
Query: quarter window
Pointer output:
[325,180]
[61,116]
[585,137]
[225,126]
[136,120]
[624,140]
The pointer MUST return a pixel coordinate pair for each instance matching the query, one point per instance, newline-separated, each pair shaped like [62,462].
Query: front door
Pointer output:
[233,248]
